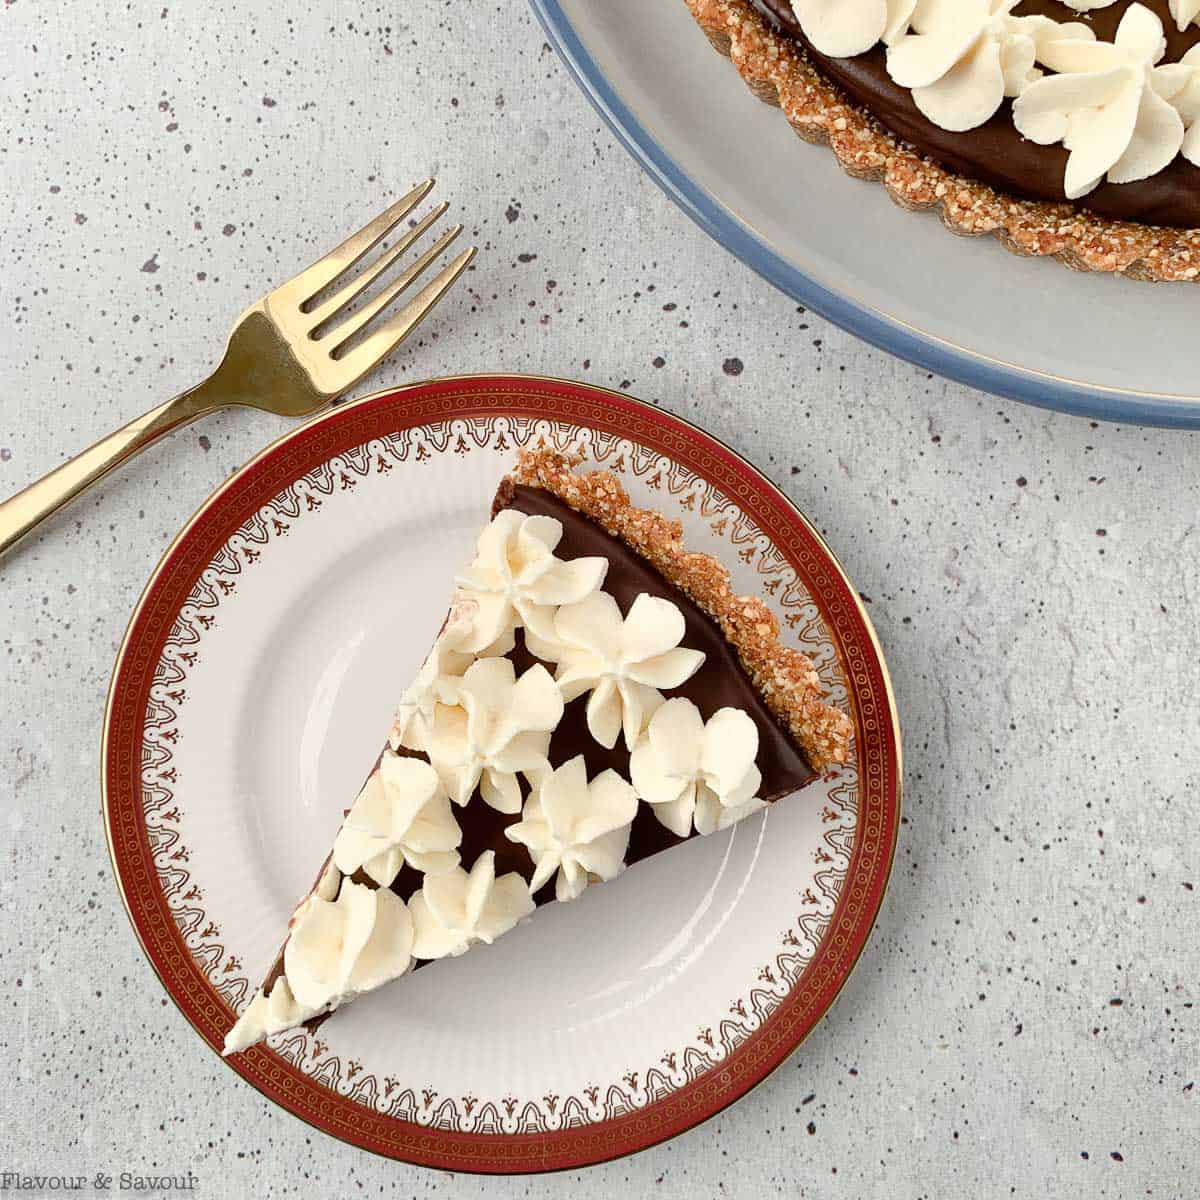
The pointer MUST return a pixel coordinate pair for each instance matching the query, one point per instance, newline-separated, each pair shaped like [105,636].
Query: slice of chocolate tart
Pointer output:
[597,695]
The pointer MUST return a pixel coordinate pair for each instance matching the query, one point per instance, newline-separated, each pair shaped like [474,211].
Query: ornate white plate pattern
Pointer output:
[252,692]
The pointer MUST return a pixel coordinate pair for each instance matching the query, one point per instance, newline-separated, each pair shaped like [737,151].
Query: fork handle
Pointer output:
[22,513]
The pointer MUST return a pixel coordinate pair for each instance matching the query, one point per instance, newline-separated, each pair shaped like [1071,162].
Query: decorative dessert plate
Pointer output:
[1096,345]
[258,677]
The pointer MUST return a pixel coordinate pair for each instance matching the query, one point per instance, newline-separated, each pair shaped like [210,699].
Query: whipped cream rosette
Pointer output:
[336,949]
[452,912]
[341,947]
[498,725]
[963,57]
[266,1014]
[402,815]
[690,770]
[275,1009]
[446,661]
[1108,104]
[845,27]
[623,662]
[576,830]
[516,581]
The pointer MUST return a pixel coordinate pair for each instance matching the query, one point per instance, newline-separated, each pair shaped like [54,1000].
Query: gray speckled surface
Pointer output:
[1022,1023]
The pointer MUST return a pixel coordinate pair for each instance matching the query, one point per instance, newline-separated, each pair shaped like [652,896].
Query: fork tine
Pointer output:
[361,319]
[319,315]
[380,342]
[325,270]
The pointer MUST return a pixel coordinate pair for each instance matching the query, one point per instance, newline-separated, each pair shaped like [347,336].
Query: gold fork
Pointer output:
[288,354]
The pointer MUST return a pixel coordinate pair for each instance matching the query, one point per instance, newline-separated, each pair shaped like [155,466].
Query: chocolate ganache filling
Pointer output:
[719,683]
[996,153]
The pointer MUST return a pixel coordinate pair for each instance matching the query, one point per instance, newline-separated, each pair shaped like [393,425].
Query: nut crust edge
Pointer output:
[786,678]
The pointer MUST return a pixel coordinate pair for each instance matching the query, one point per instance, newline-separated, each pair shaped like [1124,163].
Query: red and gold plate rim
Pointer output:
[877,737]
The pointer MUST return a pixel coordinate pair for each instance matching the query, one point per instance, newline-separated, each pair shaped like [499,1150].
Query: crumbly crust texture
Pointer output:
[786,679]
[777,72]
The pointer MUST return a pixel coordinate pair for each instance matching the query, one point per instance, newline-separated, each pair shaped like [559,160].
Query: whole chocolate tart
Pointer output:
[1002,175]
[597,695]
